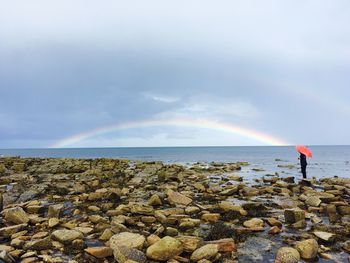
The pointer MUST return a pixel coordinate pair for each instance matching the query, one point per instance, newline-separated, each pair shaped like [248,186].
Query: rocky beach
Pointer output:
[114,210]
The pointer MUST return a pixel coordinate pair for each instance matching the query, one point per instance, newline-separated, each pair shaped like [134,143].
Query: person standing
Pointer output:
[303,164]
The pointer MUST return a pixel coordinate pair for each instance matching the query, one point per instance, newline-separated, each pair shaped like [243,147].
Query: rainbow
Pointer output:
[195,123]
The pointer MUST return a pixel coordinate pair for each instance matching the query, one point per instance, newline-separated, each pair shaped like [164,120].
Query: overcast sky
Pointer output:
[277,67]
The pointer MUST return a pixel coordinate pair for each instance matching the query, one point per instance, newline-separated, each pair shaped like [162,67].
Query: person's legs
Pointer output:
[303,171]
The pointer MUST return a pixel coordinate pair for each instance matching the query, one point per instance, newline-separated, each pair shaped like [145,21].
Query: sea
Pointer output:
[327,161]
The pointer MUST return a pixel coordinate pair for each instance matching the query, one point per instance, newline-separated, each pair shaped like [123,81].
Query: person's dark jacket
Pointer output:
[303,162]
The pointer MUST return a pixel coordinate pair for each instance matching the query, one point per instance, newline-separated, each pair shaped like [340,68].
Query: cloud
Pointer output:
[160,98]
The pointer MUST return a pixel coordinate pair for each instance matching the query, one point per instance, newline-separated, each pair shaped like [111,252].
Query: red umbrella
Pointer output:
[304,150]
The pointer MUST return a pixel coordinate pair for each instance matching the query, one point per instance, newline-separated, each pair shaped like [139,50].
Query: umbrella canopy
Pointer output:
[304,150]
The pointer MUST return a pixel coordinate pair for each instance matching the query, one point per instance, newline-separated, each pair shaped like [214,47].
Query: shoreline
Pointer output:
[108,210]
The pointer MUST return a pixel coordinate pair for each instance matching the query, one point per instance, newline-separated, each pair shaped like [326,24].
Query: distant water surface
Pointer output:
[327,161]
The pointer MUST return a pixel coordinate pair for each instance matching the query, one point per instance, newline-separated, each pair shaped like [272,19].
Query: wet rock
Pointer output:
[127,239]
[16,215]
[205,252]
[253,249]
[66,236]
[293,215]
[99,252]
[287,255]
[325,236]
[307,248]
[165,249]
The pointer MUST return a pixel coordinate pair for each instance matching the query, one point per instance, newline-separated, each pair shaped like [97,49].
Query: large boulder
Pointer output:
[287,255]
[307,248]
[66,236]
[127,239]
[16,215]
[205,252]
[165,249]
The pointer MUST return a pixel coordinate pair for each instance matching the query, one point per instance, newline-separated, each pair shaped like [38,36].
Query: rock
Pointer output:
[54,211]
[106,235]
[151,239]
[210,218]
[6,257]
[253,249]
[255,209]
[190,243]
[53,222]
[287,255]
[127,239]
[343,210]
[155,200]
[325,236]
[165,249]
[250,191]
[307,248]
[313,201]
[274,230]
[39,244]
[177,198]
[66,236]
[99,252]
[8,231]
[293,215]
[16,215]
[253,223]
[123,254]
[205,252]
[1,202]
[191,210]
[273,222]
[170,231]
[224,245]
[300,224]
